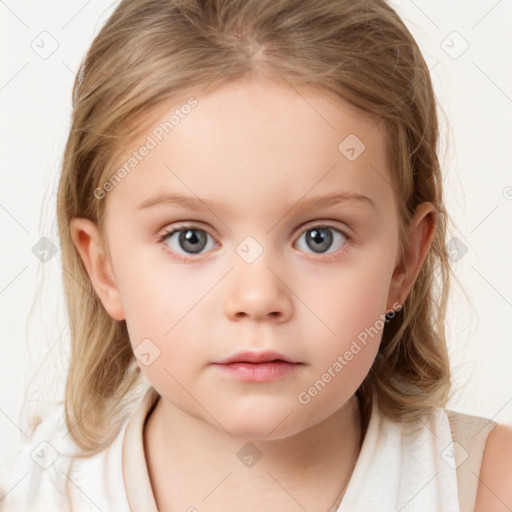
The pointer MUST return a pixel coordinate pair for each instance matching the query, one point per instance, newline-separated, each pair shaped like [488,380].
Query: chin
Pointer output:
[266,427]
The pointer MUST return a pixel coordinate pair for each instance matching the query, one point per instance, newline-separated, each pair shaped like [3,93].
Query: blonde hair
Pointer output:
[154,50]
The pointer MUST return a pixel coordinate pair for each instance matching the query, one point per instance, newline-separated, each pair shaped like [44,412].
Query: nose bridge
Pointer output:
[256,285]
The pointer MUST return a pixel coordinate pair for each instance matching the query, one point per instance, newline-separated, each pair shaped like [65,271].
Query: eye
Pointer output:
[321,238]
[191,240]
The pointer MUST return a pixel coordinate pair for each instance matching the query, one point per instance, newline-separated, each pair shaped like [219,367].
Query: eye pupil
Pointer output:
[191,242]
[321,238]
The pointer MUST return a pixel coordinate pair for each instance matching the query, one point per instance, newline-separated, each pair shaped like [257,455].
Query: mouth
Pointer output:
[256,357]
[258,366]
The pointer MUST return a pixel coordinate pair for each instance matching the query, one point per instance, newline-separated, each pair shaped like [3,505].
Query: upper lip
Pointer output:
[255,357]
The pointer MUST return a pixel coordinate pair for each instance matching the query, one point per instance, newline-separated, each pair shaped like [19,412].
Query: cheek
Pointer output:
[350,306]
[353,310]
[166,313]
[353,296]
[161,317]
[153,293]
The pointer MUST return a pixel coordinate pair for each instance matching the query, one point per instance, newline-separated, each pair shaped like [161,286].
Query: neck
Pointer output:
[190,461]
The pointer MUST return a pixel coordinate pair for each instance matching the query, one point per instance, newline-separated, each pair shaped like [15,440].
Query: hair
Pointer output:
[150,51]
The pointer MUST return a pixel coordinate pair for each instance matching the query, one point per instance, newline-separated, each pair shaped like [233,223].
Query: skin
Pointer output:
[495,479]
[257,148]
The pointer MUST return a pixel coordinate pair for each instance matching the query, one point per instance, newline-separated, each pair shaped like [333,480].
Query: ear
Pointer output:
[87,239]
[420,234]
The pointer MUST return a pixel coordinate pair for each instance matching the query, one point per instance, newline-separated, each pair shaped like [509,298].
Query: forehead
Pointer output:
[256,141]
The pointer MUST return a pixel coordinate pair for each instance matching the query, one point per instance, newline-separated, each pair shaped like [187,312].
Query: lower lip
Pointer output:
[259,372]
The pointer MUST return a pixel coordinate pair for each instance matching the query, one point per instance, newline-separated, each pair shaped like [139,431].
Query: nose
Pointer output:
[257,291]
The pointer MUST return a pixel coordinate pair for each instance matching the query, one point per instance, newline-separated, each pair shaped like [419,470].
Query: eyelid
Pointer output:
[325,224]
[178,226]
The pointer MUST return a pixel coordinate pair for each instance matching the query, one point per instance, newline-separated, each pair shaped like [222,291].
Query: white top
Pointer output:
[400,467]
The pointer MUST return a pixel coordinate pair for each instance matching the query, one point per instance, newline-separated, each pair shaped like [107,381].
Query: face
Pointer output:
[283,246]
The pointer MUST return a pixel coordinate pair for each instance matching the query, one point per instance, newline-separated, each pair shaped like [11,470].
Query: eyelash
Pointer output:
[162,238]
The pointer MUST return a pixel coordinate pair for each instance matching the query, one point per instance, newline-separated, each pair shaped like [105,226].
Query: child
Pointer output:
[258,371]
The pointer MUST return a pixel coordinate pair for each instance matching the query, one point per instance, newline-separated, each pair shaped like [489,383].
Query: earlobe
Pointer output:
[420,235]
[87,239]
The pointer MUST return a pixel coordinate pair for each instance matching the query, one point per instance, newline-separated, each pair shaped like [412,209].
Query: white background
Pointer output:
[474,90]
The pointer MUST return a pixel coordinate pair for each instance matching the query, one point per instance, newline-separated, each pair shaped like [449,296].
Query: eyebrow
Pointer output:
[198,204]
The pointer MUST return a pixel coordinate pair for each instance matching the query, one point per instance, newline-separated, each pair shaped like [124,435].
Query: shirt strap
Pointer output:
[469,434]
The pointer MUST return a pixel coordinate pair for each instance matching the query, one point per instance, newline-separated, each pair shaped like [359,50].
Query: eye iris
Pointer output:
[189,239]
[321,237]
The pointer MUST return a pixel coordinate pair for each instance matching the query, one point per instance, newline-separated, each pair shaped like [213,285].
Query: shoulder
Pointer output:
[33,463]
[44,473]
[495,481]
